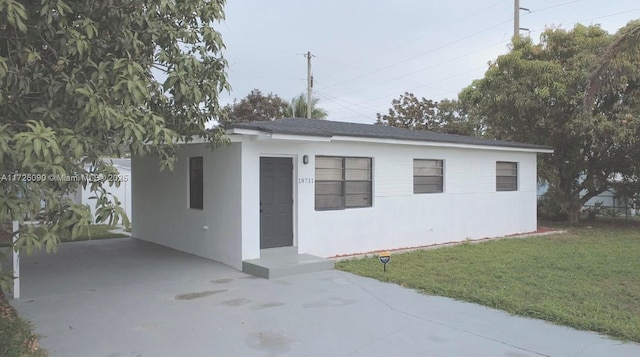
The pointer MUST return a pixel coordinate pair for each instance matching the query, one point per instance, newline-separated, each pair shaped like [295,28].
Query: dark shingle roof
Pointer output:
[325,128]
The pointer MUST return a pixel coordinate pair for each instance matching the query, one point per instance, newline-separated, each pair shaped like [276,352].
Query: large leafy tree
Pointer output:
[619,61]
[255,107]
[298,108]
[535,93]
[83,78]
[446,116]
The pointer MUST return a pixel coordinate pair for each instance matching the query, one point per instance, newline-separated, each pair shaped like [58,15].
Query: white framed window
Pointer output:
[506,176]
[196,183]
[342,182]
[428,176]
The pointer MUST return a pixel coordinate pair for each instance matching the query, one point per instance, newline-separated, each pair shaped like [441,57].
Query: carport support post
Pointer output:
[16,262]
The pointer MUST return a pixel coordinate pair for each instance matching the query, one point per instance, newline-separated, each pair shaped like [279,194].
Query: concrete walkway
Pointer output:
[124,297]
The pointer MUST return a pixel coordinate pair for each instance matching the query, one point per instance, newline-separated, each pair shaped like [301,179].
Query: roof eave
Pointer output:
[268,133]
[437,143]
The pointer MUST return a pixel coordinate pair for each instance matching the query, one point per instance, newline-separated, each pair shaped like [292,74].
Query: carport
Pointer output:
[126,297]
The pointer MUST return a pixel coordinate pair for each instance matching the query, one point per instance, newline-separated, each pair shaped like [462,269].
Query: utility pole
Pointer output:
[516,18]
[309,84]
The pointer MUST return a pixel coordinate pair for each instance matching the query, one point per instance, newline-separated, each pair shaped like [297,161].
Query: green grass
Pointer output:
[98,231]
[16,338]
[588,278]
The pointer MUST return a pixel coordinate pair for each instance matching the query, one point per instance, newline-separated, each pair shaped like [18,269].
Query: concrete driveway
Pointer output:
[125,297]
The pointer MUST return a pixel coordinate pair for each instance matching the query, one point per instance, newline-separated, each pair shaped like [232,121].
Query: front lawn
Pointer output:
[588,278]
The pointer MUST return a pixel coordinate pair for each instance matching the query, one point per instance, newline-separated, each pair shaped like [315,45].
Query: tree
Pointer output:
[611,66]
[298,108]
[79,79]
[255,107]
[446,116]
[617,68]
[535,94]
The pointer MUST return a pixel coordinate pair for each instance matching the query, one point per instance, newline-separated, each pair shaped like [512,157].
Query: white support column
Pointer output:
[16,263]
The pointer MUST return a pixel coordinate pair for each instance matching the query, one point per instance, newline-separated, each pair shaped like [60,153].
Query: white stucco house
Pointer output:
[331,188]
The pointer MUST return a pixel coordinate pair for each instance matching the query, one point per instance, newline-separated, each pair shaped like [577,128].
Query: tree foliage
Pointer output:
[618,61]
[259,107]
[535,93]
[446,116]
[255,107]
[298,108]
[82,78]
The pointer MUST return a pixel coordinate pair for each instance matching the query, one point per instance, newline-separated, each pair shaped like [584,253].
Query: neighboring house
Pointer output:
[608,199]
[123,192]
[330,188]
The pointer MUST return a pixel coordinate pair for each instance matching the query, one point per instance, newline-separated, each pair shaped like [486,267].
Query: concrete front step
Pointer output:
[276,264]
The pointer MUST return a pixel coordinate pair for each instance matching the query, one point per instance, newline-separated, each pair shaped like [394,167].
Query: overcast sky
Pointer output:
[368,52]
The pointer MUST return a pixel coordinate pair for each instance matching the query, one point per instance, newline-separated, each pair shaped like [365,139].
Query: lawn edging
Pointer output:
[374,253]
[586,279]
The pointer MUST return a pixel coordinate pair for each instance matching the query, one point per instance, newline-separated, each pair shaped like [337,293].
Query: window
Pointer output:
[427,176]
[506,176]
[342,182]
[196,183]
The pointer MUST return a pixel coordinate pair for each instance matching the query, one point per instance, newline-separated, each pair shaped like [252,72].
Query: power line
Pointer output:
[445,45]
[426,68]
[335,100]
[352,67]
[418,55]
[450,24]
[345,100]
[463,73]
[551,7]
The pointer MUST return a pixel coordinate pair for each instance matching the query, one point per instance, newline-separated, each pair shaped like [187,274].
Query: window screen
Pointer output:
[506,176]
[428,176]
[342,182]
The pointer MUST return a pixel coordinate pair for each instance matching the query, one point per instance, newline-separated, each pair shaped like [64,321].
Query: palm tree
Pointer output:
[298,108]
[626,46]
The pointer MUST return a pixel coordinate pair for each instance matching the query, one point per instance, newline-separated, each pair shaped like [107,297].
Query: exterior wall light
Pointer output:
[305,159]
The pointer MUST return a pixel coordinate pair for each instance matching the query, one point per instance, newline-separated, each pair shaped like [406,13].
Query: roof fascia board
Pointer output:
[240,131]
[438,144]
[294,137]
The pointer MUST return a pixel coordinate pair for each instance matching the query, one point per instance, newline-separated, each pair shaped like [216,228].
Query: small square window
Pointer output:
[428,176]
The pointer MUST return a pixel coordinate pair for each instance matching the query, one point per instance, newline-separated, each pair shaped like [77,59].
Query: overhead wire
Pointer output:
[426,68]
[335,100]
[448,44]
[431,33]
[459,74]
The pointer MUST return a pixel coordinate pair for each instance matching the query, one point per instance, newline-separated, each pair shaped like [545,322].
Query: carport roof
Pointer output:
[326,128]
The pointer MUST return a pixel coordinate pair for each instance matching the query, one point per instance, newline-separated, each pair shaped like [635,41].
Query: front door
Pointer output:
[276,202]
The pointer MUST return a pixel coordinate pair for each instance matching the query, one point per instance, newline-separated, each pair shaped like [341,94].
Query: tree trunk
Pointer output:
[573,214]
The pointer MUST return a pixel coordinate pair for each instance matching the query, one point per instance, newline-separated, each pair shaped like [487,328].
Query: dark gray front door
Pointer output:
[276,202]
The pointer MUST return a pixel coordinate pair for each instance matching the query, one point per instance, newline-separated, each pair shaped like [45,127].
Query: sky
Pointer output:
[368,52]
